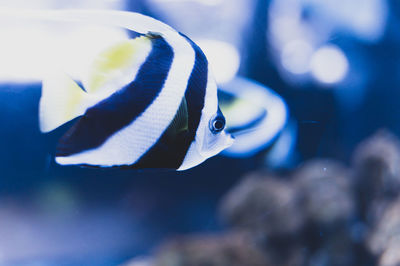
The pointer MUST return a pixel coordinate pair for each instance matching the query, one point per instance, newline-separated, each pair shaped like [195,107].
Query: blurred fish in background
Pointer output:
[327,56]
[297,79]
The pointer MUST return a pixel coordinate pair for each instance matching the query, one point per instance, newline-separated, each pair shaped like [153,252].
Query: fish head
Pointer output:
[211,137]
[215,139]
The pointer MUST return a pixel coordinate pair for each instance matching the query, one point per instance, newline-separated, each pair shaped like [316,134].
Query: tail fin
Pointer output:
[62,100]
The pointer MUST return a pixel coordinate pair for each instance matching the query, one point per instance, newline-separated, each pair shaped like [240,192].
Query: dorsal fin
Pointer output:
[116,66]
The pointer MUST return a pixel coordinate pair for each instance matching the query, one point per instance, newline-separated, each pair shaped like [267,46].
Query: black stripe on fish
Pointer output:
[196,90]
[123,107]
[170,152]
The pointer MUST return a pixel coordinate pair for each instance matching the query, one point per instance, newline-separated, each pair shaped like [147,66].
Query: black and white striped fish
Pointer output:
[149,102]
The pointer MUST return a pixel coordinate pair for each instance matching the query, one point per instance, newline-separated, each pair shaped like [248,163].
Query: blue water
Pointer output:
[53,215]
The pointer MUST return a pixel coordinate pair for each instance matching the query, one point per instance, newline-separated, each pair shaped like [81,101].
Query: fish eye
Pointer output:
[217,124]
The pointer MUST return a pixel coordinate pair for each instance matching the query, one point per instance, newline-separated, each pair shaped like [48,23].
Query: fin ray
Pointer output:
[180,122]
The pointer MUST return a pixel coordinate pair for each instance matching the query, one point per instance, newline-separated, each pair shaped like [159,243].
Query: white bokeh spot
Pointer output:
[329,64]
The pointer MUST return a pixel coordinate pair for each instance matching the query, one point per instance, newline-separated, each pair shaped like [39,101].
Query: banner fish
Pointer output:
[148,102]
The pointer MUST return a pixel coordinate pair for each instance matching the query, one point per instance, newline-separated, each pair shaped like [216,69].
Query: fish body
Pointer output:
[149,102]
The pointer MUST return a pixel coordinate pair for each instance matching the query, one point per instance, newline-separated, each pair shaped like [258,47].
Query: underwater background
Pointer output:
[323,191]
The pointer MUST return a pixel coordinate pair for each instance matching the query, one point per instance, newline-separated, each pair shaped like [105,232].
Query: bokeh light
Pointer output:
[329,64]
[296,56]
[223,57]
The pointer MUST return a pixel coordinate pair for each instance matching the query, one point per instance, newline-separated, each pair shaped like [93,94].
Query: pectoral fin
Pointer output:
[180,123]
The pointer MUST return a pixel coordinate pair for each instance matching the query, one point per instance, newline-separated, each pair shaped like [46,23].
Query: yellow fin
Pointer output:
[117,65]
[62,100]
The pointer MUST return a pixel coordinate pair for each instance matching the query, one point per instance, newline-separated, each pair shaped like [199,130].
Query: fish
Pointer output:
[260,121]
[147,102]
[256,116]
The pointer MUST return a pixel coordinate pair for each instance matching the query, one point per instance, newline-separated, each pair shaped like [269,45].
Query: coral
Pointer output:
[227,250]
[267,206]
[325,189]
